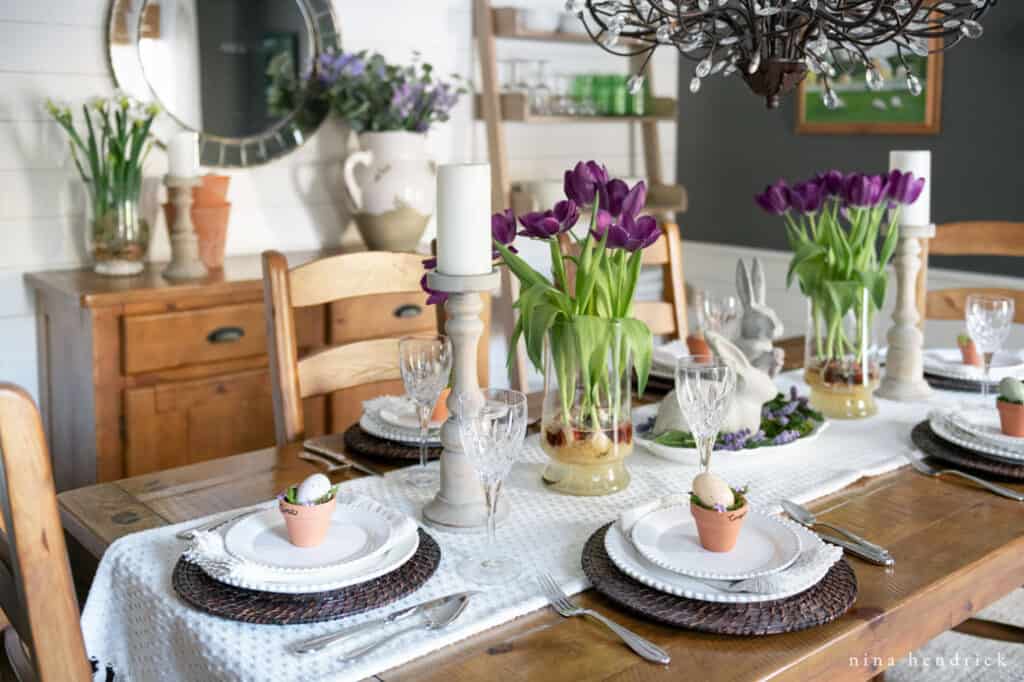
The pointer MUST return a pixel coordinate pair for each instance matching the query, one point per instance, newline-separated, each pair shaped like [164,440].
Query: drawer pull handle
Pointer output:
[225,335]
[408,310]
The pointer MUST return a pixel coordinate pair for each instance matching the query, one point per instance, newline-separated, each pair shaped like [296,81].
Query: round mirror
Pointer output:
[210,65]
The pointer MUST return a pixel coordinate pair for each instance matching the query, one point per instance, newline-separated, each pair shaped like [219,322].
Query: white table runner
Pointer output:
[134,622]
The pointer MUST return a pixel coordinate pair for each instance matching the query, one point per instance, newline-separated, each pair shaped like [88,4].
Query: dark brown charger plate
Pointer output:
[821,604]
[358,442]
[933,445]
[951,384]
[271,608]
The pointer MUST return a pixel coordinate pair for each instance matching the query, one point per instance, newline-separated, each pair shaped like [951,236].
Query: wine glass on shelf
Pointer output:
[492,426]
[988,324]
[426,365]
[704,391]
[540,92]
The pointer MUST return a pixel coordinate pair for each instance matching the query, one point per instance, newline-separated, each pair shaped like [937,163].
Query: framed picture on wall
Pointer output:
[890,110]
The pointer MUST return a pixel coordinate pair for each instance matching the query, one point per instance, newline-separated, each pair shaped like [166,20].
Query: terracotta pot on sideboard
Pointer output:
[211,223]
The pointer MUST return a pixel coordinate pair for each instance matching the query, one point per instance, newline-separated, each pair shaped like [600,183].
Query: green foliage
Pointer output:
[110,152]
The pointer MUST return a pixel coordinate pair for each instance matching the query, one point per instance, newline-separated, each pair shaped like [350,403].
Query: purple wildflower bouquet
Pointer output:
[369,93]
[834,226]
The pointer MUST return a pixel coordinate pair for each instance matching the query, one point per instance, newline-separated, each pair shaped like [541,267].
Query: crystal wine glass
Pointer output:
[492,426]
[426,364]
[704,390]
[988,324]
[540,92]
[717,314]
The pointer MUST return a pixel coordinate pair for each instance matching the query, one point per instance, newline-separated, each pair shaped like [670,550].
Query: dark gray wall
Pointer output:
[730,147]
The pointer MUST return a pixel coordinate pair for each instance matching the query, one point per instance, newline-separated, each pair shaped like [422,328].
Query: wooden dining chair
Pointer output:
[979,238]
[44,639]
[370,299]
[666,317]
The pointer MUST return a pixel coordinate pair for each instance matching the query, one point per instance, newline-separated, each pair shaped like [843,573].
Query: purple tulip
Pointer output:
[635,200]
[806,197]
[863,190]
[583,182]
[831,183]
[503,227]
[904,188]
[434,297]
[632,234]
[774,198]
[547,224]
[612,195]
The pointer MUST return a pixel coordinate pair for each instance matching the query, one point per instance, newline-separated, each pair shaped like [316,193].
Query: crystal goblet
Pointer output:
[426,365]
[704,390]
[988,324]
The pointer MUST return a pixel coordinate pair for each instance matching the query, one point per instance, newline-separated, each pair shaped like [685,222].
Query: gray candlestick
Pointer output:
[185,262]
[459,504]
[904,364]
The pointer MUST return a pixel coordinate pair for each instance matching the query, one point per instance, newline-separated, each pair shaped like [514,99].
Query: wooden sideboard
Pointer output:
[138,374]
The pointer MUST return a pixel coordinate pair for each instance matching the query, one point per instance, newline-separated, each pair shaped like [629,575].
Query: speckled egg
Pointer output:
[1012,389]
[712,490]
[313,488]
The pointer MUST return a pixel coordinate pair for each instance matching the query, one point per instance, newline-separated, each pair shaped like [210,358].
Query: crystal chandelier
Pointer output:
[773,43]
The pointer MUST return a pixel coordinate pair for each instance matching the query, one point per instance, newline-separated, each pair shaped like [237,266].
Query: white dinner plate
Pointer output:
[400,550]
[983,423]
[944,428]
[948,362]
[372,423]
[628,560]
[668,538]
[642,415]
[360,530]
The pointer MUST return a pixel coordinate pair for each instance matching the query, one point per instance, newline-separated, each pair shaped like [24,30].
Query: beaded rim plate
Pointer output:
[940,422]
[629,560]
[668,538]
[984,425]
[398,552]
[643,414]
[948,362]
[375,426]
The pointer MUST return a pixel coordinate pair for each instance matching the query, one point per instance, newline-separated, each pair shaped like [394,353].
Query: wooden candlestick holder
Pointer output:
[185,262]
[904,364]
[459,504]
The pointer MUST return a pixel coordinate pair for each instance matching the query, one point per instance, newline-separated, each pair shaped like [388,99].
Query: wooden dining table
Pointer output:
[958,549]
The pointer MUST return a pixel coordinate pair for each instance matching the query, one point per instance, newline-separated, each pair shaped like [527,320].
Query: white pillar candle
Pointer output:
[464,219]
[919,163]
[183,155]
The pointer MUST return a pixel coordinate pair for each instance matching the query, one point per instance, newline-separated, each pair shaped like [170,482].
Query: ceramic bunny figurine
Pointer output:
[753,386]
[753,389]
[759,324]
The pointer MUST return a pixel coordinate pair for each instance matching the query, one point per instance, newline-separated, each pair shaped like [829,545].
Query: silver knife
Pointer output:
[857,550]
[338,458]
[320,643]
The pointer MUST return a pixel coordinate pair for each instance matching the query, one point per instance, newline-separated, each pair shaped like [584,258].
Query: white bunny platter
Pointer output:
[759,324]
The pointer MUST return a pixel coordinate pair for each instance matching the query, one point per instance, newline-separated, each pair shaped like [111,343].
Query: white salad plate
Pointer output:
[398,552]
[668,539]
[644,438]
[360,530]
[984,424]
[948,362]
[374,424]
[628,559]
[944,427]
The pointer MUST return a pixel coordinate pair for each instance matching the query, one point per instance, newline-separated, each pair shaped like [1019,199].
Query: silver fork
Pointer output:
[565,608]
[928,470]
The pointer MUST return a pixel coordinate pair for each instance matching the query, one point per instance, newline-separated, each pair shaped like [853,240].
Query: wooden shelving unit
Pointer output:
[497,109]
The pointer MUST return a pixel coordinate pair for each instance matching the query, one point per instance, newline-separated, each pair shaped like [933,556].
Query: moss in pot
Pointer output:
[719,512]
[1010,404]
[307,509]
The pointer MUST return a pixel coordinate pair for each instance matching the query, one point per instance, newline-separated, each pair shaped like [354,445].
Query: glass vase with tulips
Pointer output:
[843,230]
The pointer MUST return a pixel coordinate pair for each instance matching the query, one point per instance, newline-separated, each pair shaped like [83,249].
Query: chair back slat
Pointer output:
[39,595]
[369,300]
[340,367]
[355,274]
[970,238]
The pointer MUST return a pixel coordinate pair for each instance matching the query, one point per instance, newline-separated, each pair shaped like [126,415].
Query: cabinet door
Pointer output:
[180,423]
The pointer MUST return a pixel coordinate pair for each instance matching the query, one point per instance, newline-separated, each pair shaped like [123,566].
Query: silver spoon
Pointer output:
[928,470]
[803,515]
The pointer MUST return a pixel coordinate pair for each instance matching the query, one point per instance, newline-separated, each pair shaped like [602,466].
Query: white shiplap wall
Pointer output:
[57,48]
